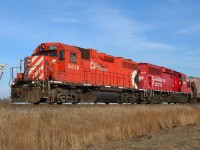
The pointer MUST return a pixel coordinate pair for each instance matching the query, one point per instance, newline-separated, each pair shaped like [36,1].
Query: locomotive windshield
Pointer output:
[46,51]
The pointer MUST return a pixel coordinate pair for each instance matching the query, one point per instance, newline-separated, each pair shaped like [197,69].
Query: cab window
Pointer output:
[73,57]
[53,54]
[44,53]
[62,54]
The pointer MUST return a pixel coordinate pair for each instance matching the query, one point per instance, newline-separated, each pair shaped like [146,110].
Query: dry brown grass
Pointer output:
[43,127]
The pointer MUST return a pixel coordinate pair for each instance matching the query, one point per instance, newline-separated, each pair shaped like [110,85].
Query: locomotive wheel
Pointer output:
[74,100]
[149,101]
[120,100]
[51,103]
[74,103]
[132,101]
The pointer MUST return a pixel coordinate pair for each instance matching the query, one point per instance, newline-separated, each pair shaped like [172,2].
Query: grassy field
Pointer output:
[75,127]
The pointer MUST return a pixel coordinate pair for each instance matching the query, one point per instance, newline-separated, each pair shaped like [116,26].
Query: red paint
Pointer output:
[152,77]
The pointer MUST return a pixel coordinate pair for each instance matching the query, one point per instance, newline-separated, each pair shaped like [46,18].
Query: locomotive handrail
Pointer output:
[152,89]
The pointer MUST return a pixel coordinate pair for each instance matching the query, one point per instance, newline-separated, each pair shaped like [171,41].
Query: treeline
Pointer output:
[5,100]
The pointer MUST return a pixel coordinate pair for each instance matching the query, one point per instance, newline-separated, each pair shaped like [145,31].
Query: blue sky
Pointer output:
[162,32]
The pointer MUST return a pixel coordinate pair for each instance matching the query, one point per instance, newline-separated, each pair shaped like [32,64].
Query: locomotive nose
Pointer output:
[34,67]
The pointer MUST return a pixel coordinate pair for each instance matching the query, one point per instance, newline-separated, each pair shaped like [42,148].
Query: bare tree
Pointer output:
[5,100]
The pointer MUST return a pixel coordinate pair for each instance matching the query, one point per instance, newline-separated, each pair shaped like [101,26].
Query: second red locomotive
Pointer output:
[162,84]
[59,73]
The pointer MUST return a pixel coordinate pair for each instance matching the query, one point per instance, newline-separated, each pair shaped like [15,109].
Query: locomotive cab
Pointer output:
[50,63]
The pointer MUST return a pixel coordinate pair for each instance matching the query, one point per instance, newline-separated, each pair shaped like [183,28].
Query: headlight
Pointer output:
[54,47]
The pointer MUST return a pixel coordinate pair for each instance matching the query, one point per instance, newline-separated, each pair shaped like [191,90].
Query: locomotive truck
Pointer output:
[60,73]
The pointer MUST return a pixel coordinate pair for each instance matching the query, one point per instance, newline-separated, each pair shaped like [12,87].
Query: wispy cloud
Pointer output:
[100,20]
[176,2]
[110,24]
[20,29]
[193,29]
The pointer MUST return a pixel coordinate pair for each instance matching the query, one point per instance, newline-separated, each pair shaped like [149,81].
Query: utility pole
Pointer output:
[2,69]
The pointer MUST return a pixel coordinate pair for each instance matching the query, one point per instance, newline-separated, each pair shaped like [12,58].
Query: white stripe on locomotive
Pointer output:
[39,71]
[32,69]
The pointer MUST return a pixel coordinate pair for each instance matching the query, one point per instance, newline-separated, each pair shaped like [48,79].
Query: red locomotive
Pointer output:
[161,84]
[59,73]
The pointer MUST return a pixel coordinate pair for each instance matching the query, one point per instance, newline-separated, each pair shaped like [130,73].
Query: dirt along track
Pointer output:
[178,138]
